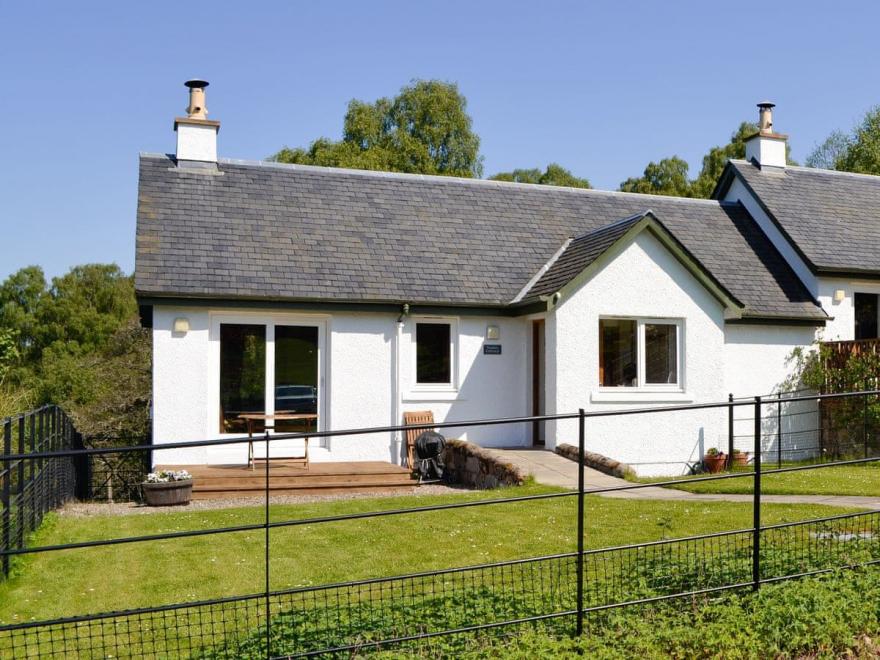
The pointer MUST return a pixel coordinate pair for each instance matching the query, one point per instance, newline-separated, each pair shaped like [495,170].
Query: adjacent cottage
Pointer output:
[352,297]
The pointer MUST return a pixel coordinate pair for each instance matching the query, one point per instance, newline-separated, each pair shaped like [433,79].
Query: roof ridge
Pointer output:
[622,221]
[265,164]
[816,170]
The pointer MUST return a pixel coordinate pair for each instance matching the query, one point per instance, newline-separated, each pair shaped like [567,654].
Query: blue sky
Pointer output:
[600,87]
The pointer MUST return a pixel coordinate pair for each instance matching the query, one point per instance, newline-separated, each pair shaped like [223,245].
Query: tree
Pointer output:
[828,154]
[424,129]
[668,177]
[856,151]
[716,159]
[21,296]
[85,307]
[862,152]
[554,175]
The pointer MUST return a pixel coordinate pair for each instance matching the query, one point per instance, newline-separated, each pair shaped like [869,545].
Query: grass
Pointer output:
[91,580]
[832,616]
[861,479]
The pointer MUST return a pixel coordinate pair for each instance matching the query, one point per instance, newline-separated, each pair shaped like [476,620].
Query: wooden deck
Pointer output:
[293,478]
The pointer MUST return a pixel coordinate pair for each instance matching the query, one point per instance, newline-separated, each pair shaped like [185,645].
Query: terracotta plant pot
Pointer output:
[740,459]
[715,463]
[171,493]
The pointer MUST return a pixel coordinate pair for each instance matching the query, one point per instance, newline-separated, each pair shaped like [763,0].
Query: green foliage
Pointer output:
[554,175]
[670,175]
[76,343]
[716,159]
[856,151]
[424,129]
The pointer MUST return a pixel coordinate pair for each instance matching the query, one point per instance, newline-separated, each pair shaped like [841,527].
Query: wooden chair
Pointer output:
[415,417]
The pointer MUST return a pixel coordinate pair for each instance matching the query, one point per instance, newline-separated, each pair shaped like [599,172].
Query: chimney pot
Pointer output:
[765,117]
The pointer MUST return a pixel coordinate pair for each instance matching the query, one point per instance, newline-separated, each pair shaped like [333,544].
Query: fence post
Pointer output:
[779,430]
[268,613]
[7,479]
[580,525]
[865,423]
[756,502]
[730,446]
[19,489]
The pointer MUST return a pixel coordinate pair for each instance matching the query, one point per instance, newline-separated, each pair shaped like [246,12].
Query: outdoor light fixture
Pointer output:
[181,325]
[493,332]
[839,295]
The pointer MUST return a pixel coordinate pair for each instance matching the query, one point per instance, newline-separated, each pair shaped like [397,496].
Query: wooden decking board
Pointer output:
[293,478]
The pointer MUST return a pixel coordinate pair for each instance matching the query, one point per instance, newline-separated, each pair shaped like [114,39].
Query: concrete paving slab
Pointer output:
[550,468]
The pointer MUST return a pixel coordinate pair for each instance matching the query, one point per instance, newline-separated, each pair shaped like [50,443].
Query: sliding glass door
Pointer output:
[269,368]
[296,376]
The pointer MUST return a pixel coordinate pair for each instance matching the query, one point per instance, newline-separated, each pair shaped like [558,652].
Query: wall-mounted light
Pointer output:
[493,332]
[839,295]
[181,325]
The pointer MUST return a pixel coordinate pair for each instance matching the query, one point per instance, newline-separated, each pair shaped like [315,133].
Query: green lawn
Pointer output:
[100,579]
[860,479]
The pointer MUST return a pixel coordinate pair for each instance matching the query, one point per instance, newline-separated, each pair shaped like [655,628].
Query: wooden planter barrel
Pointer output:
[170,493]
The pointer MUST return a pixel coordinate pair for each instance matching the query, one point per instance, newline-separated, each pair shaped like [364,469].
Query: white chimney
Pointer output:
[196,134]
[765,147]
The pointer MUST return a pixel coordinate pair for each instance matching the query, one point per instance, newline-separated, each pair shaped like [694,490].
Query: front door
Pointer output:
[538,388]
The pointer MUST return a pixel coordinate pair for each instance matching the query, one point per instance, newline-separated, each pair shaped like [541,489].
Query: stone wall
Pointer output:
[471,466]
[597,461]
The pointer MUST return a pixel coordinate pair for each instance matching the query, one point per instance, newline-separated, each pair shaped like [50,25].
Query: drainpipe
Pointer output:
[398,393]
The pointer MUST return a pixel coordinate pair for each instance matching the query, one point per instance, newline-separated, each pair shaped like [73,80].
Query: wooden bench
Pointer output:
[415,417]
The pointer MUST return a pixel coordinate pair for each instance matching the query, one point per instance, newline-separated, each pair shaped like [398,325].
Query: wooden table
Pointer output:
[250,418]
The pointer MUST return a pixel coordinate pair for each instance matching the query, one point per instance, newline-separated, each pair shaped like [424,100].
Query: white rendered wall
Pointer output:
[643,280]
[197,142]
[180,384]
[487,386]
[842,326]
[358,383]
[756,363]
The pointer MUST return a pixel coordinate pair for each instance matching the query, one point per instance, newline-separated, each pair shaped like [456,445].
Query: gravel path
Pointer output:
[131,508]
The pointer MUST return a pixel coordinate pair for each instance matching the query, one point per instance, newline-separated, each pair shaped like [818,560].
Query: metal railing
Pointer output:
[31,487]
[407,609]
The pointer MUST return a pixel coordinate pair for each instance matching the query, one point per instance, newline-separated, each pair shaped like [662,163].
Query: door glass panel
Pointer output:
[296,376]
[661,355]
[242,375]
[617,353]
[866,315]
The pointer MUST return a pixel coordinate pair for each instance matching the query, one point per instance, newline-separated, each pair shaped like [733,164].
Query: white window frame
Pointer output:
[270,321]
[641,385]
[452,385]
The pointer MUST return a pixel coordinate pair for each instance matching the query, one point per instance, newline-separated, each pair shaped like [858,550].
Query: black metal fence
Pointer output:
[33,487]
[560,590]
[797,427]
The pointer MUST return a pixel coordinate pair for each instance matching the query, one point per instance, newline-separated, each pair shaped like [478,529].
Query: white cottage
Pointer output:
[360,295]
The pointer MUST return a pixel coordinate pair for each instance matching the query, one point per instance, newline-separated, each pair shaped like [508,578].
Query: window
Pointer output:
[866,315]
[635,353]
[283,358]
[433,353]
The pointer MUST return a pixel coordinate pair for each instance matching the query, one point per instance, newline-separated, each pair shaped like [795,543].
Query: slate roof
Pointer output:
[266,231]
[582,251]
[833,218]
